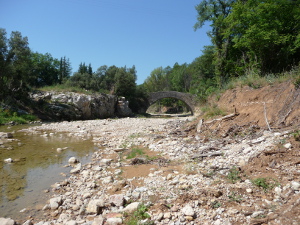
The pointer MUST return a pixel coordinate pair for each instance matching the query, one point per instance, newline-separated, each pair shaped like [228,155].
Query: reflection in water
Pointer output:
[37,165]
[13,182]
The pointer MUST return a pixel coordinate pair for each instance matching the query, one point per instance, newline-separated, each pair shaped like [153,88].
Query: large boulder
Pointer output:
[7,221]
[88,106]
[131,207]
[123,109]
[55,202]
[76,106]
[95,206]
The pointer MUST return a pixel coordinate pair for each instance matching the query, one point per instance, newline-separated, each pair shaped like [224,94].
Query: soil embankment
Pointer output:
[277,105]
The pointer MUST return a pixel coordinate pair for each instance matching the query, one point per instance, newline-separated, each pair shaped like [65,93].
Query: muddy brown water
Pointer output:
[37,166]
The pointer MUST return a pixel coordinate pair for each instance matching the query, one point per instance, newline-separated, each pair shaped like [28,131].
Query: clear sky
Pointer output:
[144,33]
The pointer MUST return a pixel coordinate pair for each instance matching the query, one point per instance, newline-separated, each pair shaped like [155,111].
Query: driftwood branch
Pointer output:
[274,152]
[199,126]
[286,115]
[207,155]
[265,113]
[223,118]
[201,122]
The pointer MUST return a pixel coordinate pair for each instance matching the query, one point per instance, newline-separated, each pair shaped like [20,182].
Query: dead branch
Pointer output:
[274,152]
[199,126]
[223,118]
[265,113]
[284,118]
[207,155]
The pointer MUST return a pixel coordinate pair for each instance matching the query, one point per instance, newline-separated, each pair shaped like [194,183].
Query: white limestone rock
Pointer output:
[76,169]
[188,211]
[131,207]
[95,206]
[117,200]
[295,185]
[114,221]
[7,221]
[73,160]
[55,202]
[8,160]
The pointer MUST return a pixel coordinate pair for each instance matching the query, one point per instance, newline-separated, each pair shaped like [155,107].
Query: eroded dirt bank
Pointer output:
[277,105]
[232,171]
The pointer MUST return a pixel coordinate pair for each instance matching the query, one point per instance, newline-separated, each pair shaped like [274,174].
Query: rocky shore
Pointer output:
[176,176]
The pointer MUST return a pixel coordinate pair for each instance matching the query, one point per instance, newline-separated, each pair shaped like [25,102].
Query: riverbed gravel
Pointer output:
[185,178]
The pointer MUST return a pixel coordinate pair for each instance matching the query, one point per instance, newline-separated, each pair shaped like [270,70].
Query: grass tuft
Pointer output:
[296,135]
[65,88]
[135,152]
[254,79]
[212,111]
[234,197]
[138,215]
[264,183]
[234,175]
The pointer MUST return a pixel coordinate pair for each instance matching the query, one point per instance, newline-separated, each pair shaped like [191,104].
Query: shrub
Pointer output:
[235,197]
[7,116]
[296,135]
[265,183]
[212,111]
[134,152]
[65,88]
[139,214]
[234,175]
[215,204]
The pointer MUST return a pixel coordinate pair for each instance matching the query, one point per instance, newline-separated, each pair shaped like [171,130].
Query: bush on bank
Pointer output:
[9,116]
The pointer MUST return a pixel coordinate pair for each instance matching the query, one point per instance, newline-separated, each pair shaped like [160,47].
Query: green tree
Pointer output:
[90,69]
[82,68]
[108,80]
[265,33]
[15,61]
[44,70]
[83,78]
[203,71]
[99,78]
[125,82]
[4,64]
[214,12]
[181,77]
[158,80]
[65,69]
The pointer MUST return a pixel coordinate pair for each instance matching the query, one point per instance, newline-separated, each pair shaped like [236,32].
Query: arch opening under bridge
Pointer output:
[188,99]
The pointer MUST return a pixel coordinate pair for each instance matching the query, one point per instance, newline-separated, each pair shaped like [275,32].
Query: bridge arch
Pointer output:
[188,99]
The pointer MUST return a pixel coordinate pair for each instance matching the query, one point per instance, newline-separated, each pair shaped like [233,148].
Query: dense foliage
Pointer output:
[113,80]
[264,35]
[14,64]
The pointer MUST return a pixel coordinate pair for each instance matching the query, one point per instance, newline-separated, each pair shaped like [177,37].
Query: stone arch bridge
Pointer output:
[188,99]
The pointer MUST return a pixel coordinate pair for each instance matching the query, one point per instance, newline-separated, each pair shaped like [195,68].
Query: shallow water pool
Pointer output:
[37,165]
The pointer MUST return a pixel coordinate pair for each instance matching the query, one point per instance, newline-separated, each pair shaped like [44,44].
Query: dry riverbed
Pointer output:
[179,176]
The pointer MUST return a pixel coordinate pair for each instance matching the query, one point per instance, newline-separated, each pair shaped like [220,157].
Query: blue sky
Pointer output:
[144,33]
